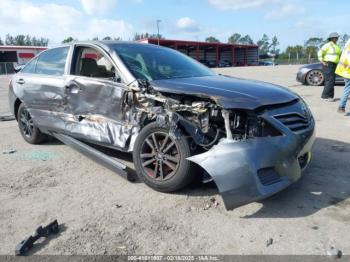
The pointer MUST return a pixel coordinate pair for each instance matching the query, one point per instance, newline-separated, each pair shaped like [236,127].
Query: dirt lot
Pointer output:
[102,213]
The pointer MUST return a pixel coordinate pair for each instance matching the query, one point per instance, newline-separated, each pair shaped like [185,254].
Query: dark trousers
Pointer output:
[329,80]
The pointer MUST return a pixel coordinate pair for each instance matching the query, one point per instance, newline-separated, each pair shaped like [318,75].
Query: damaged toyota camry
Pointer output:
[178,118]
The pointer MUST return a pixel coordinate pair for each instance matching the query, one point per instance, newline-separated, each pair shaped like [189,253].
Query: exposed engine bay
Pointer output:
[200,118]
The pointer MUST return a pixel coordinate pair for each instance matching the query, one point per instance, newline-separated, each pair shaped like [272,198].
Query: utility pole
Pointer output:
[158,21]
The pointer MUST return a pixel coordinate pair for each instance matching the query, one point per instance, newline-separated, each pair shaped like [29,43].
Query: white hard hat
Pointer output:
[333,35]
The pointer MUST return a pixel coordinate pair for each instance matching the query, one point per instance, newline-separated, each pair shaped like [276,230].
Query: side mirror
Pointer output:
[116,76]
[117,79]
[17,68]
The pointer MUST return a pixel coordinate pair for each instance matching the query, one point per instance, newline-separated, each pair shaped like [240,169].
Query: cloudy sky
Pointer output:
[292,21]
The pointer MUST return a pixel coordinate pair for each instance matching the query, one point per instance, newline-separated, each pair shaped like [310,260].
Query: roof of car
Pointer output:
[109,42]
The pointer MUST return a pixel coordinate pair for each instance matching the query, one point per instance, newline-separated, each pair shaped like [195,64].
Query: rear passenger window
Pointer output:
[52,61]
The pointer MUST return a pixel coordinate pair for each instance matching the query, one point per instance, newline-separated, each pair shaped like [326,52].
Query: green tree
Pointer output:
[20,40]
[68,40]
[234,39]
[264,44]
[40,41]
[25,40]
[212,39]
[139,36]
[1,42]
[273,46]
[107,38]
[246,40]
[311,47]
[9,40]
[28,40]
[343,40]
[316,42]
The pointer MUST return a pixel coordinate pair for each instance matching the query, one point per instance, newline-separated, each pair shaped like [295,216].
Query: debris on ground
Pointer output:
[118,206]
[7,118]
[315,227]
[188,209]
[334,253]
[338,148]
[269,242]
[212,203]
[38,155]
[9,151]
[40,232]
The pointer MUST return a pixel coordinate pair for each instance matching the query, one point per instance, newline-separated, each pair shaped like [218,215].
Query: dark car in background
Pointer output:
[224,63]
[312,75]
[266,63]
[176,117]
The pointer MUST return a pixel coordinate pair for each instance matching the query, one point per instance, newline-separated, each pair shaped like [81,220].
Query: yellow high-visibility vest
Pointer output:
[329,52]
[343,68]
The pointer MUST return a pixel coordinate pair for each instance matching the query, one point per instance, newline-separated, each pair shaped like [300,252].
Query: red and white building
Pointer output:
[236,54]
[16,55]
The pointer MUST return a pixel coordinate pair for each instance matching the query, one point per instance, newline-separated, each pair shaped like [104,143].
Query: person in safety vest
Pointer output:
[343,70]
[329,56]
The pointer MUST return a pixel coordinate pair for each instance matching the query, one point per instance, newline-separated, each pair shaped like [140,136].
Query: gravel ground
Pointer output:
[101,213]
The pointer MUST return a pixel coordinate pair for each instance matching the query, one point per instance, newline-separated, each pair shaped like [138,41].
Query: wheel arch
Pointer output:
[17,103]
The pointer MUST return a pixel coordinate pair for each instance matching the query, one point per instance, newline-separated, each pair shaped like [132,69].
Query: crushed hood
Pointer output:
[228,92]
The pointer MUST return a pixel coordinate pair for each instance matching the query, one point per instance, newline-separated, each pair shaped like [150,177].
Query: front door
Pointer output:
[95,100]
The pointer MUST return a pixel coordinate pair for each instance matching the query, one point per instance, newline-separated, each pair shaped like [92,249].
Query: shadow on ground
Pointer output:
[325,183]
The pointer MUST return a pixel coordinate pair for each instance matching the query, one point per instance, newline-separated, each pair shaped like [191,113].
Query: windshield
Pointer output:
[150,62]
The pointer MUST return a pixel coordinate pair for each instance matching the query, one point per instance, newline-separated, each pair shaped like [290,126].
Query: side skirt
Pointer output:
[96,155]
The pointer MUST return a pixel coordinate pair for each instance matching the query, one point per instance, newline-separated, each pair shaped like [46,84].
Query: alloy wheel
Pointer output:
[315,78]
[27,123]
[160,156]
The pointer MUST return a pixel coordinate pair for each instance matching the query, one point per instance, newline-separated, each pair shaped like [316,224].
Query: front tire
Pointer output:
[160,160]
[315,78]
[29,131]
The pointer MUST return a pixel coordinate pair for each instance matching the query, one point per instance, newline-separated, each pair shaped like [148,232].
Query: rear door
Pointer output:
[95,98]
[43,88]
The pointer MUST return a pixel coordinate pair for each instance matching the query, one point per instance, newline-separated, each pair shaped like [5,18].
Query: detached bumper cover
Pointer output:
[253,169]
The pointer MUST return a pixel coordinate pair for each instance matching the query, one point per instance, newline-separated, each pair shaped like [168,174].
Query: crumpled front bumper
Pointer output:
[250,170]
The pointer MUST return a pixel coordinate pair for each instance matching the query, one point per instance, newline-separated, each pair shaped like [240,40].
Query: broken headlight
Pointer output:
[244,125]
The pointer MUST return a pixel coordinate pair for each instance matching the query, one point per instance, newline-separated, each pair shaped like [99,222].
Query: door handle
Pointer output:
[20,81]
[74,89]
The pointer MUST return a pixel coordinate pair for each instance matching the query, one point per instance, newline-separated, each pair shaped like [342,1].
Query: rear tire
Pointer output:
[315,78]
[28,130]
[160,160]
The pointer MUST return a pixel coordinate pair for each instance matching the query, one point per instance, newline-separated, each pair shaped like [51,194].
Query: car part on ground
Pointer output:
[312,75]
[171,112]
[26,244]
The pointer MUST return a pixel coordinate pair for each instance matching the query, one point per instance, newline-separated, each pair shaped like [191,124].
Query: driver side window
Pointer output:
[91,63]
